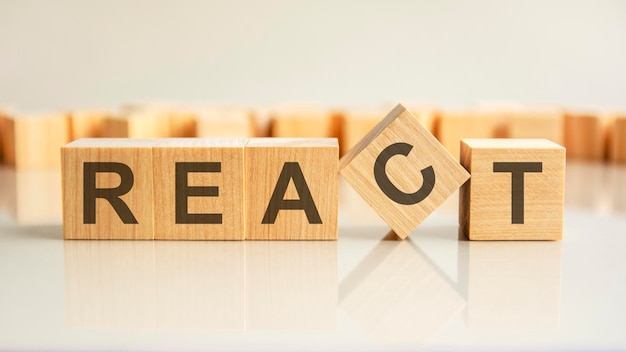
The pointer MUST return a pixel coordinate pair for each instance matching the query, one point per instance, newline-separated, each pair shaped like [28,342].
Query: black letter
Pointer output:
[184,191]
[390,190]
[291,171]
[517,170]
[90,192]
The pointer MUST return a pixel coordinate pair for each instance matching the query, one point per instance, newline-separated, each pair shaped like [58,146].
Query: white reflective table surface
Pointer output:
[364,291]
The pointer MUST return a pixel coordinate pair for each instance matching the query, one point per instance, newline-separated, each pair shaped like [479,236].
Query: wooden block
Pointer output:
[584,136]
[32,197]
[291,285]
[33,141]
[108,189]
[356,124]
[305,122]
[138,124]
[87,123]
[198,186]
[514,286]
[182,123]
[544,123]
[225,122]
[617,144]
[291,189]
[451,126]
[404,189]
[516,191]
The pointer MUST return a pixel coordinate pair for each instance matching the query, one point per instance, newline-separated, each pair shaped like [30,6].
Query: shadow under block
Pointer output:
[617,145]
[584,136]
[516,191]
[402,172]
[108,189]
[33,141]
[291,189]
[199,189]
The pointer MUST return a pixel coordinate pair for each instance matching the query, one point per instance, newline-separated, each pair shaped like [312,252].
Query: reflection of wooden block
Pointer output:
[110,284]
[516,190]
[198,186]
[584,136]
[107,189]
[451,126]
[87,124]
[33,197]
[291,285]
[138,124]
[514,286]
[305,122]
[200,285]
[225,122]
[404,189]
[537,123]
[394,284]
[291,189]
[34,141]
[617,146]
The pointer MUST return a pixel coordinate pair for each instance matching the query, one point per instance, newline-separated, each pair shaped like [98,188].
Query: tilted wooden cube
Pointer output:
[108,189]
[198,191]
[291,188]
[516,191]
[402,171]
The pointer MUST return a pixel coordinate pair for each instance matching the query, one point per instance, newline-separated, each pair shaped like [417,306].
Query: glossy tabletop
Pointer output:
[365,291]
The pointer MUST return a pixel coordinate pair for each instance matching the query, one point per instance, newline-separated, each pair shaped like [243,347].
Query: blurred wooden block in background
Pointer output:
[182,123]
[199,189]
[88,123]
[146,123]
[546,123]
[34,141]
[291,189]
[617,139]
[301,121]
[516,191]
[453,125]
[356,124]
[108,189]
[585,134]
[234,122]
[423,168]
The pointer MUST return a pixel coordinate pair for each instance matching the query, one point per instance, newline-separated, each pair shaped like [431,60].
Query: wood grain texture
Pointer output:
[134,153]
[266,159]
[33,141]
[229,180]
[617,139]
[400,126]
[486,201]
[148,123]
[236,122]
[584,136]
[88,123]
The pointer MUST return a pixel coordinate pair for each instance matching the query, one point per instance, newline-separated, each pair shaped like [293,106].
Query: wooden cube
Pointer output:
[87,123]
[291,189]
[225,122]
[108,189]
[516,191]
[146,123]
[585,134]
[198,187]
[452,125]
[356,124]
[34,141]
[183,123]
[302,121]
[617,144]
[401,170]
[544,123]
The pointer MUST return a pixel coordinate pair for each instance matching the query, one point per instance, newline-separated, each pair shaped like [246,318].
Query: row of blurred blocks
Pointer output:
[33,140]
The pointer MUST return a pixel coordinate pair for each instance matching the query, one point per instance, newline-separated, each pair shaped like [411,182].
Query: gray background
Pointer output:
[103,53]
